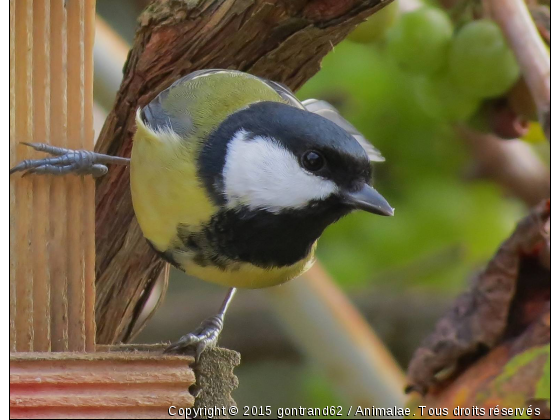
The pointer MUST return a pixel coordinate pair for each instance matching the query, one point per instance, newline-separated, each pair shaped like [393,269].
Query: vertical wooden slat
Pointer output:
[23,187]
[89,201]
[13,161]
[41,185]
[52,219]
[57,246]
[75,248]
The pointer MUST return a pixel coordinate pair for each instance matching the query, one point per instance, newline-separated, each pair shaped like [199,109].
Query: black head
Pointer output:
[276,157]
[281,175]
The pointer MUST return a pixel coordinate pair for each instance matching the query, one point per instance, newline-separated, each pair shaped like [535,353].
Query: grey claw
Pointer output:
[19,167]
[51,169]
[33,165]
[80,162]
[206,335]
[47,148]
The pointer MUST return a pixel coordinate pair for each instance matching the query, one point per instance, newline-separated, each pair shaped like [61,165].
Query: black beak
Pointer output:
[368,199]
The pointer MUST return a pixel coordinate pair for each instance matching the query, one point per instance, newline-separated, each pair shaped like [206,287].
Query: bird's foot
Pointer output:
[206,335]
[65,161]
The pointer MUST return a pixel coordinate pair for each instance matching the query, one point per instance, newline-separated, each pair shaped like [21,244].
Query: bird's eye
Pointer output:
[312,161]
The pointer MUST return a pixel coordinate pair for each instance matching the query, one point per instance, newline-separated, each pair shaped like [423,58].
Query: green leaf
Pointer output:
[542,390]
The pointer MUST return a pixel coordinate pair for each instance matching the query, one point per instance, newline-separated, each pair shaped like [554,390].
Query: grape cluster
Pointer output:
[455,68]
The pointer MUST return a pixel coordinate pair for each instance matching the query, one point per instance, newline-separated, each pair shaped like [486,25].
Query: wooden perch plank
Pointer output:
[55,413]
[98,385]
[52,262]
[283,41]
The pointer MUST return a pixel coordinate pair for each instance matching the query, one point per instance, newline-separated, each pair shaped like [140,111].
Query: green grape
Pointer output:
[420,40]
[440,99]
[480,61]
[376,25]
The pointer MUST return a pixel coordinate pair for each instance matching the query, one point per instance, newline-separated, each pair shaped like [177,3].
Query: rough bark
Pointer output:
[282,40]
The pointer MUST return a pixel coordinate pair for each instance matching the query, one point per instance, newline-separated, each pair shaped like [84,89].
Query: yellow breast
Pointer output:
[248,276]
[164,186]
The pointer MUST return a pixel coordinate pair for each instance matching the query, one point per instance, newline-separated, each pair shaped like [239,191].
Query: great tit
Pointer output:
[233,180]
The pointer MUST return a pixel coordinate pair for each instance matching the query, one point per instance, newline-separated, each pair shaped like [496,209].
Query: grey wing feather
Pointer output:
[285,92]
[157,117]
[329,112]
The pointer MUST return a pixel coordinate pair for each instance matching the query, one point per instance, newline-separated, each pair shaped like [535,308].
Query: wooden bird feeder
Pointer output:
[56,369]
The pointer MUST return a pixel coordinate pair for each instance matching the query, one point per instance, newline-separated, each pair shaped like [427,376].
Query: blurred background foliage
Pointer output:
[423,178]
[402,272]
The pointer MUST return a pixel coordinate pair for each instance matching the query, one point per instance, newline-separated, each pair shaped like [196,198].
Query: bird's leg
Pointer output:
[206,335]
[79,162]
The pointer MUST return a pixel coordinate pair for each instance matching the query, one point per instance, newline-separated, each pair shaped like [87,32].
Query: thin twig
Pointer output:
[512,164]
[520,30]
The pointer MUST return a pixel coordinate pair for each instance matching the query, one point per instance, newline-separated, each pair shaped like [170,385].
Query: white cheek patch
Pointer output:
[261,174]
